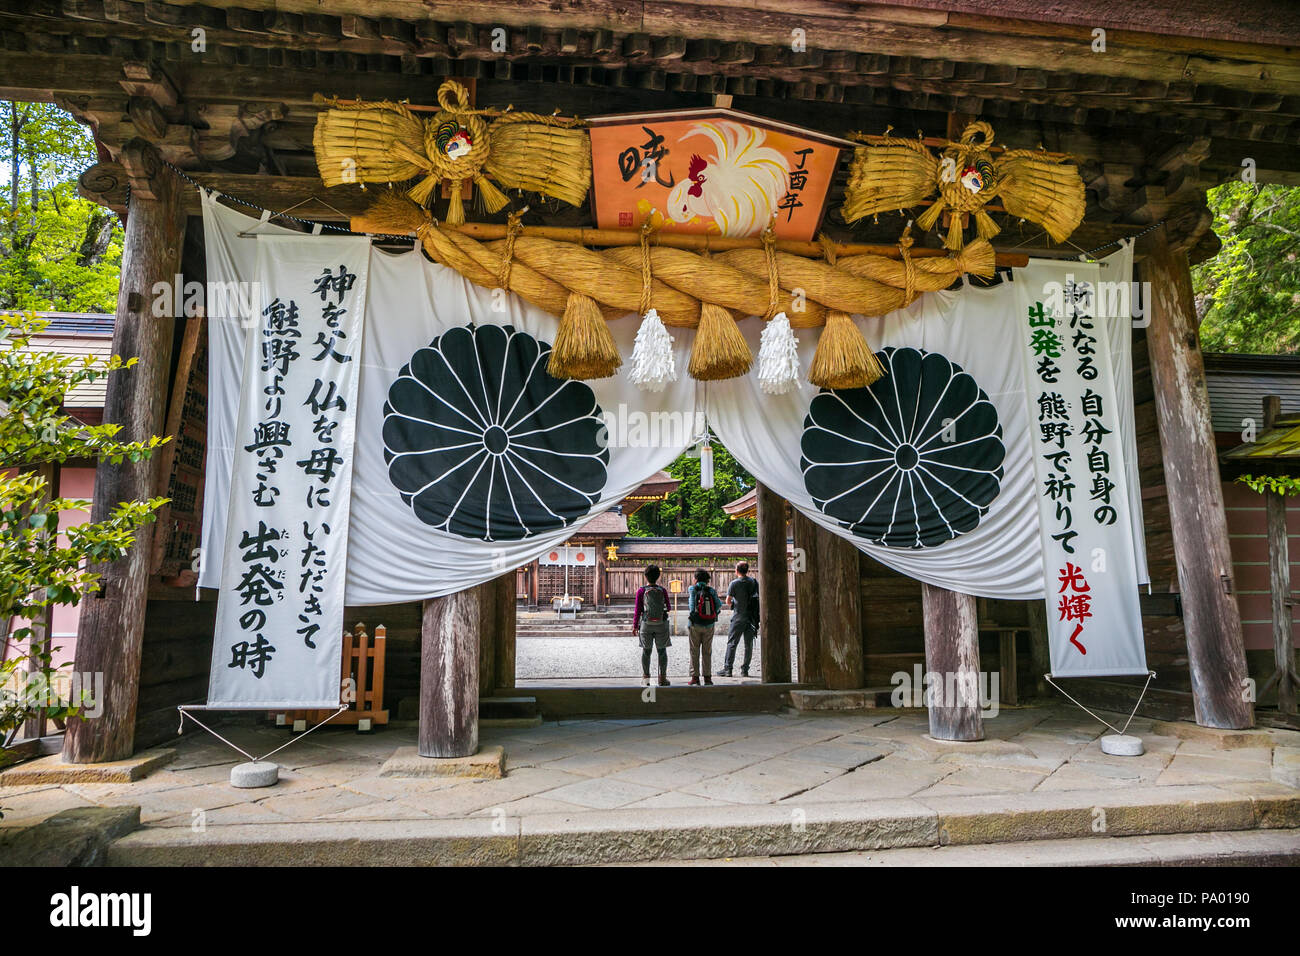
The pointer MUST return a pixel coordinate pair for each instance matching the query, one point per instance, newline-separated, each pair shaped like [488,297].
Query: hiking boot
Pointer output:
[693,682]
[663,681]
[708,681]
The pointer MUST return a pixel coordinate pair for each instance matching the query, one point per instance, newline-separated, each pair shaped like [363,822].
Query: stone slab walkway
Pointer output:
[1039,774]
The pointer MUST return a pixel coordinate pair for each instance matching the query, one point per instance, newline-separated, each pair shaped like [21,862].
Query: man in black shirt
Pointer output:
[742,598]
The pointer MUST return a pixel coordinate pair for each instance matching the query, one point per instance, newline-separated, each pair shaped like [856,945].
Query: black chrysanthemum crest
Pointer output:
[482,442]
[910,462]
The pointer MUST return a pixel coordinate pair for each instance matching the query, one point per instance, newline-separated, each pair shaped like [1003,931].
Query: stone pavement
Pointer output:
[1040,774]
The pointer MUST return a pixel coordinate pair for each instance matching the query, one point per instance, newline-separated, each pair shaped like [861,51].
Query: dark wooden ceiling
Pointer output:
[1162,114]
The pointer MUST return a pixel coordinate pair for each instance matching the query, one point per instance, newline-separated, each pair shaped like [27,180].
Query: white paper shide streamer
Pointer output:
[652,367]
[778,356]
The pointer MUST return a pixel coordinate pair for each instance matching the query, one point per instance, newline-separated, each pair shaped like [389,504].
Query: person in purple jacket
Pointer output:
[650,624]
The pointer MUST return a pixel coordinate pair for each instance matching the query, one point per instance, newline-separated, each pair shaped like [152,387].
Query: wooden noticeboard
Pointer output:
[180,461]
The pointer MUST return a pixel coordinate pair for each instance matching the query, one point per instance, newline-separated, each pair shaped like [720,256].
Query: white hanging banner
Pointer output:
[1116,300]
[279,627]
[1094,622]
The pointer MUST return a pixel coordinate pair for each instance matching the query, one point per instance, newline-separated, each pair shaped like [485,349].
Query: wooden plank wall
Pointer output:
[174,663]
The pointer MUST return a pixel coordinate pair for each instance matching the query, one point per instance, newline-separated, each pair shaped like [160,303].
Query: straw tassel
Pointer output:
[954,231]
[494,200]
[653,365]
[720,350]
[456,205]
[843,358]
[584,347]
[927,219]
[985,227]
[422,190]
[778,357]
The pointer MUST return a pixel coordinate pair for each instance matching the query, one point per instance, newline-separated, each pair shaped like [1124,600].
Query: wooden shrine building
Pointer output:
[1156,103]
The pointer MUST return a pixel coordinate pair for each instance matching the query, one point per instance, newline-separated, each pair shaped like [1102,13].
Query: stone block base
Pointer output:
[863,699]
[52,770]
[489,762]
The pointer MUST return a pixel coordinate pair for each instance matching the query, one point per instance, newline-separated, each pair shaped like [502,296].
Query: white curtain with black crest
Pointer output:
[471,459]
[928,470]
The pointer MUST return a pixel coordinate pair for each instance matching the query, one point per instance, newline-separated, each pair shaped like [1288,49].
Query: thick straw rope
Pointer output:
[545,271]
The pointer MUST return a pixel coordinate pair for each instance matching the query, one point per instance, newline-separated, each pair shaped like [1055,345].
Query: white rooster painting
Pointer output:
[736,187]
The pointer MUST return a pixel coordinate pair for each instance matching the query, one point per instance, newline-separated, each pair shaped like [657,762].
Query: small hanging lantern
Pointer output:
[706,465]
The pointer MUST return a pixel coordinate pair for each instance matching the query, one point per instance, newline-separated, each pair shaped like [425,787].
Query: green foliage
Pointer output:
[1282,484]
[1248,296]
[692,511]
[42,565]
[58,252]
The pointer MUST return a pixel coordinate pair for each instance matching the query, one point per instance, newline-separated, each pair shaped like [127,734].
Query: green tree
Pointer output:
[692,511]
[1248,296]
[41,565]
[58,252]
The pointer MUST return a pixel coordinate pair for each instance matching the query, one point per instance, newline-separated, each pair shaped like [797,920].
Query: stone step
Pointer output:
[861,699]
[1095,820]
[506,708]
[1248,848]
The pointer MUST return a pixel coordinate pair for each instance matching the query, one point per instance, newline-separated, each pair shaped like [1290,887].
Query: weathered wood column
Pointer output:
[806,604]
[1279,586]
[111,628]
[773,587]
[1215,647]
[1040,657]
[506,611]
[839,585]
[952,655]
[487,637]
[449,654]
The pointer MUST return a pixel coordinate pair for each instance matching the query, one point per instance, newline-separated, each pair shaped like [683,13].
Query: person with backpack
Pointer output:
[650,624]
[742,598]
[704,603]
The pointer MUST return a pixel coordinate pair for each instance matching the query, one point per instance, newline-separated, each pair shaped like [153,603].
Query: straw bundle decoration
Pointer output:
[584,347]
[354,144]
[386,142]
[720,350]
[844,358]
[1034,185]
[584,286]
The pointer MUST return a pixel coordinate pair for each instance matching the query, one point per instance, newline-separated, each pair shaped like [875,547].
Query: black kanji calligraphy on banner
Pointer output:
[482,442]
[910,462]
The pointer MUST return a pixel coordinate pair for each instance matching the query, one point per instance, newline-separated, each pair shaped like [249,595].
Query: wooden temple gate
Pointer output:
[1178,99]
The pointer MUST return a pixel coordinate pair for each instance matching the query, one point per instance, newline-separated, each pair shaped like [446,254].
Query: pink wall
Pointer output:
[73,483]
[1248,537]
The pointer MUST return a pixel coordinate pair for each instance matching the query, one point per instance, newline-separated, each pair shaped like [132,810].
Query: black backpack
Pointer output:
[656,604]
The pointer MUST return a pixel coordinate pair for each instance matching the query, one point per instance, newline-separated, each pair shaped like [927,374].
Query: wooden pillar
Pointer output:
[449,656]
[487,637]
[1215,648]
[506,606]
[773,588]
[1040,659]
[1279,586]
[806,605]
[111,627]
[952,655]
[839,586]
